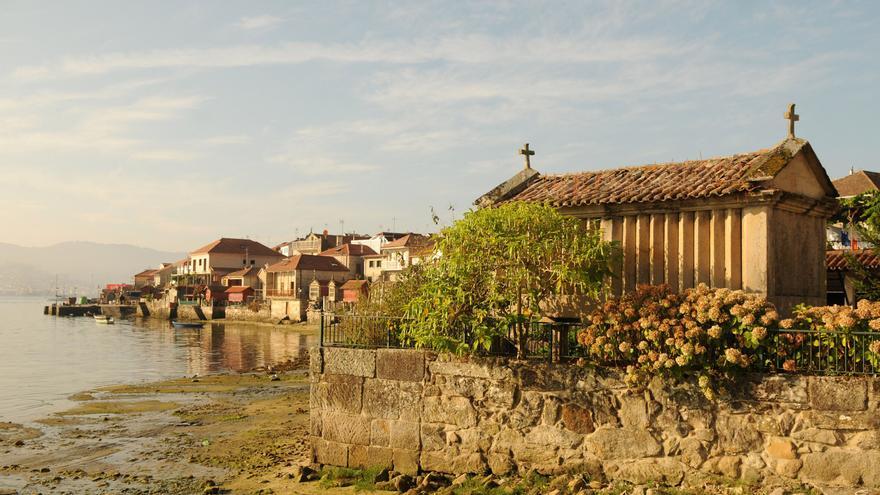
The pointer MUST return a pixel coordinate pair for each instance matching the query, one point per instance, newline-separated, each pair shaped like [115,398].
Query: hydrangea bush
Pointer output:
[654,330]
[716,333]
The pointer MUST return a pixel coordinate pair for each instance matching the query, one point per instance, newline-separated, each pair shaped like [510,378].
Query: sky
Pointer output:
[168,124]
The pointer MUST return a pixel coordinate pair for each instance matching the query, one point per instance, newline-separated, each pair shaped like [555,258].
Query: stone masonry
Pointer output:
[414,411]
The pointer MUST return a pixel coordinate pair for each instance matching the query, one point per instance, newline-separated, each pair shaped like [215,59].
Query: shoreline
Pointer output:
[240,431]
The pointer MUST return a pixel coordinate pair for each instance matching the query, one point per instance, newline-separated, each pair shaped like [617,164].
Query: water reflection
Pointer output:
[44,359]
[230,346]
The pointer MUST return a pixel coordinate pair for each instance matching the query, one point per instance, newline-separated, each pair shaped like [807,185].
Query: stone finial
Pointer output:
[526,152]
[792,118]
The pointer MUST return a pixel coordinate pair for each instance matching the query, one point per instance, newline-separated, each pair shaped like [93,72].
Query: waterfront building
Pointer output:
[292,283]
[352,256]
[402,253]
[210,263]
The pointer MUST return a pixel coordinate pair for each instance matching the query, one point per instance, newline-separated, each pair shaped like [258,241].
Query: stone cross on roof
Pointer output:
[527,153]
[792,118]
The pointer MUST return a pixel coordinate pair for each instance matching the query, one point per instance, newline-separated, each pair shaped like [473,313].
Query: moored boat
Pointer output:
[186,324]
[104,319]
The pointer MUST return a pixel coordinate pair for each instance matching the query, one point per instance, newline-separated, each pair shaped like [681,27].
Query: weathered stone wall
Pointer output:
[414,411]
[245,313]
[160,308]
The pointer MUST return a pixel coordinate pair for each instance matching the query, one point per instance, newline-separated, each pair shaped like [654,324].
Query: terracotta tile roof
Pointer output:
[857,182]
[354,285]
[237,246]
[307,262]
[146,273]
[238,288]
[349,250]
[245,272]
[409,240]
[835,260]
[695,179]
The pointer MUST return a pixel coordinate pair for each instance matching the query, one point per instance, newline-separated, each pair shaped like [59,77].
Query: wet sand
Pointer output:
[241,432]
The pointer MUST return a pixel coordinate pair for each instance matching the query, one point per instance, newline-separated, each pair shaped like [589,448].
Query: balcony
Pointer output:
[288,293]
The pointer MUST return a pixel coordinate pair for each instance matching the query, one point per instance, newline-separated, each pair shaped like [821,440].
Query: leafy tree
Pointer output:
[495,268]
[862,213]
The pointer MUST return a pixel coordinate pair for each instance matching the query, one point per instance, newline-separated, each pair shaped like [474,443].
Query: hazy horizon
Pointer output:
[170,124]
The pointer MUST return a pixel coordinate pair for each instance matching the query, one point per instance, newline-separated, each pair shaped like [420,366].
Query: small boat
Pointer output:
[187,324]
[106,320]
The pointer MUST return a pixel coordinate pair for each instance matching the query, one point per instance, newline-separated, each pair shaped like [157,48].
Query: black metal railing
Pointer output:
[784,350]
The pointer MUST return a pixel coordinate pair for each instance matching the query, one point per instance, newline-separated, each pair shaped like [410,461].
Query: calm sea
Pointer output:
[44,359]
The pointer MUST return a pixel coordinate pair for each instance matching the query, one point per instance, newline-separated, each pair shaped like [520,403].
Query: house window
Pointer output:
[314,292]
[244,262]
[379,264]
[253,262]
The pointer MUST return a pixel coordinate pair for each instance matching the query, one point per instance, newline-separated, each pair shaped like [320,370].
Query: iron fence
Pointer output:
[805,351]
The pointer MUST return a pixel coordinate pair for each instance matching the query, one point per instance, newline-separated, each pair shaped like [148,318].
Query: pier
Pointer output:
[115,310]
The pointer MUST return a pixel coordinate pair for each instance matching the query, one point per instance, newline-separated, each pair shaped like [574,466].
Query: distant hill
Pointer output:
[84,265]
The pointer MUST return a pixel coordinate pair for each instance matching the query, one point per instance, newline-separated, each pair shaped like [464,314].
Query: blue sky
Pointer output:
[168,124]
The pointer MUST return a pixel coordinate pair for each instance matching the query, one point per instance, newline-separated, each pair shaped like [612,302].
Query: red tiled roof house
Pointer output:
[289,283]
[754,221]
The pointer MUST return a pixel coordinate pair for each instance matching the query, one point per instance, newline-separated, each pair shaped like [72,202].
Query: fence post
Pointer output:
[550,352]
[321,333]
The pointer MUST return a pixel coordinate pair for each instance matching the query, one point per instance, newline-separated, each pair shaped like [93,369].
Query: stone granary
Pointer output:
[753,221]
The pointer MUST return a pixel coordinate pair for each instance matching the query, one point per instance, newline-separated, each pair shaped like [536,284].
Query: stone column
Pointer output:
[658,247]
[643,239]
[733,248]
[686,249]
[703,247]
[718,250]
[612,230]
[756,249]
[629,253]
[671,249]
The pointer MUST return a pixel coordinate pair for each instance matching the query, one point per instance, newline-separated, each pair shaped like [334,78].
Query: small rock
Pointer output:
[19,443]
[385,486]
[460,480]
[275,378]
[402,483]
[576,485]
[554,492]
[383,475]
[211,490]
[779,491]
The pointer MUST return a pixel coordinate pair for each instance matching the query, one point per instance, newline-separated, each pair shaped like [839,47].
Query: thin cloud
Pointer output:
[260,22]
[320,165]
[468,50]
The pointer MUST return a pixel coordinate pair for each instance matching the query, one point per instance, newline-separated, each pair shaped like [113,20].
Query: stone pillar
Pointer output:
[658,246]
[733,248]
[756,249]
[703,247]
[671,249]
[718,250]
[643,240]
[612,230]
[686,249]
[629,253]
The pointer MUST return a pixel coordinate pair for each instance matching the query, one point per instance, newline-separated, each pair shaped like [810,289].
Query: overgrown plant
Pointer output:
[494,268]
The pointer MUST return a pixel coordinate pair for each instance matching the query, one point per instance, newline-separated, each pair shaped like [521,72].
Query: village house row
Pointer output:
[319,271]
[758,221]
